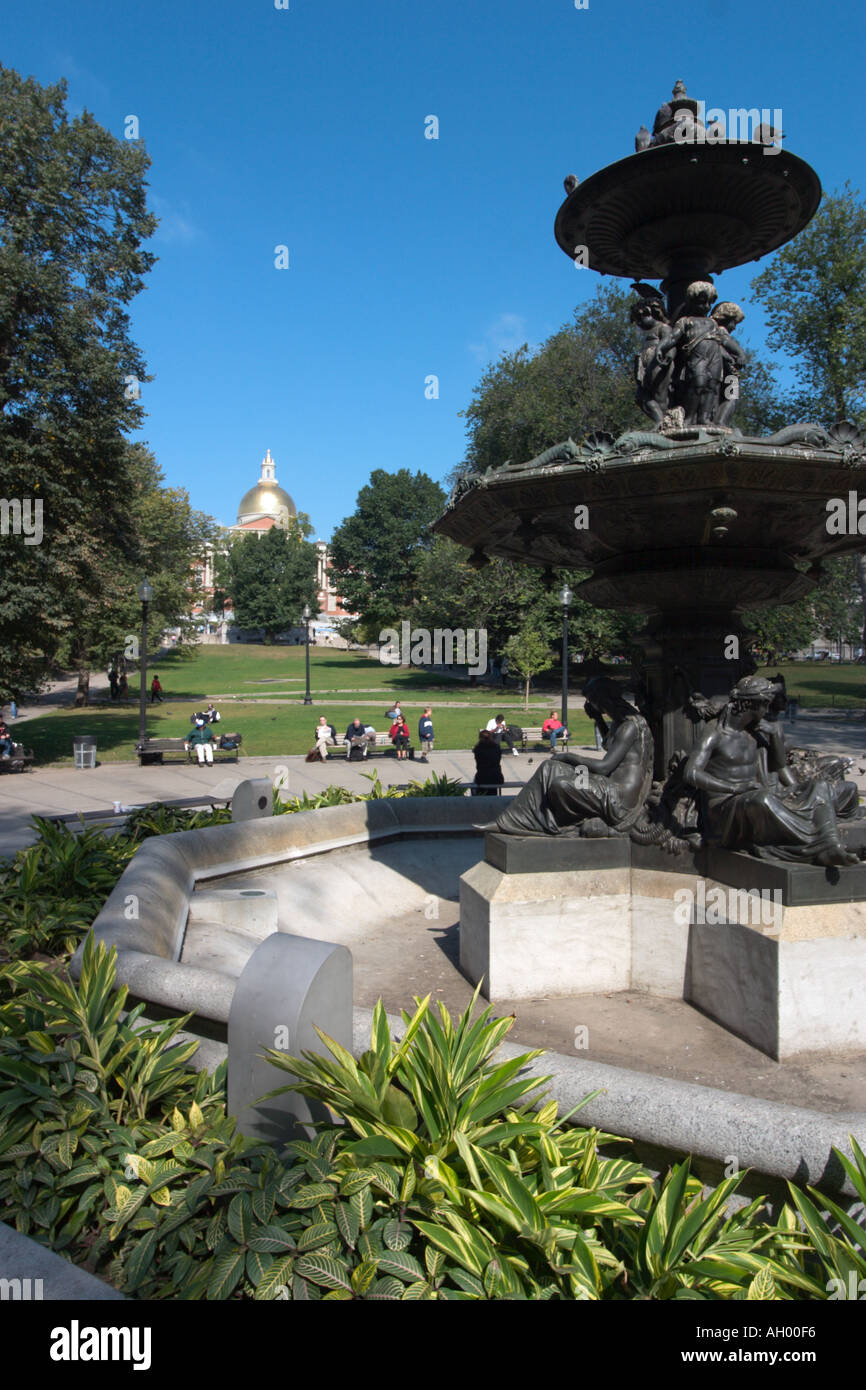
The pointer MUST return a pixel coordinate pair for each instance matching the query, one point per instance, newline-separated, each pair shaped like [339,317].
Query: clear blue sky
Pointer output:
[408,257]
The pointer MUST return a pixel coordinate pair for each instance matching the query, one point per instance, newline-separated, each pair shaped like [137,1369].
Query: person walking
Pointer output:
[123,687]
[399,736]
[201,739]
[488,764]
[112,681]
[425,733]
[5,741]
[156,690]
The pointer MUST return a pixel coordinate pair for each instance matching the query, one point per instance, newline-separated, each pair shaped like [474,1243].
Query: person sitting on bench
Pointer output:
[553,727]
[399,736]
[201,739]
[356,739]
[499,729]
[324,736]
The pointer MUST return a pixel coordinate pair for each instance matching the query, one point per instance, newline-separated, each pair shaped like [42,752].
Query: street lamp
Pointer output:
[145,593]
[308,699]
[565,597]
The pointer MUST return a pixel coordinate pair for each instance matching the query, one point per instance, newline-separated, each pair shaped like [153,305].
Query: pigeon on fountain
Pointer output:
[571,181]
[643,139]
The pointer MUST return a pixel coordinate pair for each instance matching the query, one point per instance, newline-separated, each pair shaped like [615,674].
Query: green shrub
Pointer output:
[441,1184]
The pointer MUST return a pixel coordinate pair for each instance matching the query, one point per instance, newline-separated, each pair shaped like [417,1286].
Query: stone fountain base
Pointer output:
[775,953]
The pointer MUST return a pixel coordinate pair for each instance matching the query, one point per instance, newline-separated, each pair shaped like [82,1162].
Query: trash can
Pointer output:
[84,751]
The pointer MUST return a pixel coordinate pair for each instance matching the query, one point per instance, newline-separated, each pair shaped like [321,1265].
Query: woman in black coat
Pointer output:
[488,762]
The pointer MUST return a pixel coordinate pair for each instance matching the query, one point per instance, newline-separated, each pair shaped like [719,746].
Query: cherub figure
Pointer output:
[727,316]
[651,371]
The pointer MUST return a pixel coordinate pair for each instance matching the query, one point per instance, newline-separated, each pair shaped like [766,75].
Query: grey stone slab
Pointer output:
[29,1272]
[732,974]
[290,986]
[539,854]
[799,884]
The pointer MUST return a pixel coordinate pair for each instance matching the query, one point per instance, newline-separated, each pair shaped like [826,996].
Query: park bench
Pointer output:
[20,759]
[534,736]
[383,743]
[155,751]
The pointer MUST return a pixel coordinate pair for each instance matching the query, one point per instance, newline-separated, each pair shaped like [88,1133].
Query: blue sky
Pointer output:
[408,257]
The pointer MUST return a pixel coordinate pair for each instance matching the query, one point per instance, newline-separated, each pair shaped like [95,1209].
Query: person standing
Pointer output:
[156,690]
[425,733]
[112,681]
[488,764]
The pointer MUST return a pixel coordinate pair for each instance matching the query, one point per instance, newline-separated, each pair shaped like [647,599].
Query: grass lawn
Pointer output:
[823,683]
[251,670]
[255,674]
[275,730]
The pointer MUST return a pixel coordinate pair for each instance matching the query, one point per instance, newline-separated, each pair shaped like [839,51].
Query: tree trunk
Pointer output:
[526,693]
[860,571]
[82,695]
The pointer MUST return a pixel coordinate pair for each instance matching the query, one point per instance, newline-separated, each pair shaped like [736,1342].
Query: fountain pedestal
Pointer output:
[774,953]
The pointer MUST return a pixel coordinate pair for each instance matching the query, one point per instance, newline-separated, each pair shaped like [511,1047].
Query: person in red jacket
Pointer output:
[399,736]
[553,727]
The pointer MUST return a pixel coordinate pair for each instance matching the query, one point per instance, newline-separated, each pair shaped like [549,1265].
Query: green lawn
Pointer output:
[254,670]
[255,674]
[823,683]
[276,730]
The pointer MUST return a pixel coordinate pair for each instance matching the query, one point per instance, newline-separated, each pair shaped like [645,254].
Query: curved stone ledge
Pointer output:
[146,914]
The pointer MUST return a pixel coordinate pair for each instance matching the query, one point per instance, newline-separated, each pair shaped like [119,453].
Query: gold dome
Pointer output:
[267,498]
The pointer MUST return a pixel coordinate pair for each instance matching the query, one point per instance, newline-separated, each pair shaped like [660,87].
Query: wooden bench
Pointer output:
[534,736]
[153,751]
[20,759]
[383,743]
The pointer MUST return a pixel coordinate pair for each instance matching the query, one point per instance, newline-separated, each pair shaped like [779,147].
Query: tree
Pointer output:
[270,578]
[73,218]
[580,380]
[168,539]
[378,550]
[528,653]
[814,295]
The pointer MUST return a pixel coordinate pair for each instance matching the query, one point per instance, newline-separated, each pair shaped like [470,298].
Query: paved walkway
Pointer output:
[61,791]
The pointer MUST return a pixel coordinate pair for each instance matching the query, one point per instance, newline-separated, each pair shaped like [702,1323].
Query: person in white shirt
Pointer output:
[499,729]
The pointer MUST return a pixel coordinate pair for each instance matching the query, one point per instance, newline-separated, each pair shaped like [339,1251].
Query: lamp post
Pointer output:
[565,600]
[308,699]
[145,593]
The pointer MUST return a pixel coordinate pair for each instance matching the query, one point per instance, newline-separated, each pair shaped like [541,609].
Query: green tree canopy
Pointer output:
[377,551]
[73,218]
[270,578]
[814,295]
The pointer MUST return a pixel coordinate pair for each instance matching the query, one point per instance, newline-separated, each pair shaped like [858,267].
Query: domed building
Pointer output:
[265,505]
[260,509]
